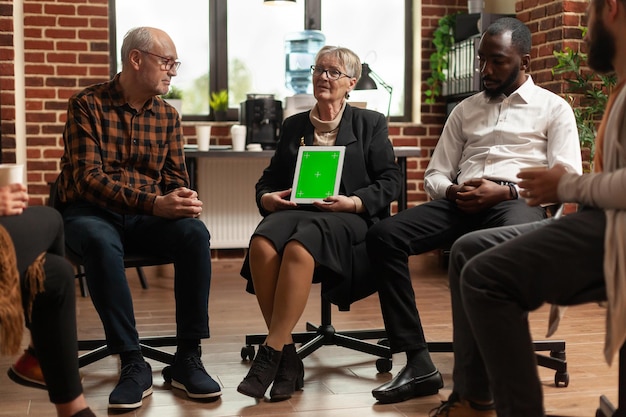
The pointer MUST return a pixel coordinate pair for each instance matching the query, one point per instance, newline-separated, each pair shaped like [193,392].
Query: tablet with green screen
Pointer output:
[318,173]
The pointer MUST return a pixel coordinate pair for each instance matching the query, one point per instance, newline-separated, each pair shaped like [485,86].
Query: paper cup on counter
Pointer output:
[238,137]
[203,134]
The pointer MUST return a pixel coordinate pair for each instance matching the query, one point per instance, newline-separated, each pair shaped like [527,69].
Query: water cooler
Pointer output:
[300,50]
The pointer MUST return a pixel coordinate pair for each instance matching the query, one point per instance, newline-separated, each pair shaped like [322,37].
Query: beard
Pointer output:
[505,86]
[601,48]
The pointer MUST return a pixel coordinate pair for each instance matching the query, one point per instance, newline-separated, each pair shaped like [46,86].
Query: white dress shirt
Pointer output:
[494,138]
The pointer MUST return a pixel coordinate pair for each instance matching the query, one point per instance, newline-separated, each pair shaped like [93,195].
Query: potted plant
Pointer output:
[219,104]
[443,39]
[588,94]
[174,97]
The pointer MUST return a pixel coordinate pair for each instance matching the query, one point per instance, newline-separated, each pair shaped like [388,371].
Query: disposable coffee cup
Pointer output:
[238,137]
[203,134]
[11,174]
[532,169]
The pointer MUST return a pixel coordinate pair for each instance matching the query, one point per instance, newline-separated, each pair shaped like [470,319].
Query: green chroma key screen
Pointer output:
[318,173]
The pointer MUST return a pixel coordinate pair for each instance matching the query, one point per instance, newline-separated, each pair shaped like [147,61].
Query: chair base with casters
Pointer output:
[555,361]
[97,348]
[325,335]
[606,408]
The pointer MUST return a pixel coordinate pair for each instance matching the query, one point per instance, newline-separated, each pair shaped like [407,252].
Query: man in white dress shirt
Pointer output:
[488,138]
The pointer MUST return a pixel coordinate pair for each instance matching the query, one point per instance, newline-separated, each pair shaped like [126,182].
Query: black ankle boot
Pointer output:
[261,373]
[290,375]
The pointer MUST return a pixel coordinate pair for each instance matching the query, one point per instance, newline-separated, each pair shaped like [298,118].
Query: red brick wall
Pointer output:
[67,48]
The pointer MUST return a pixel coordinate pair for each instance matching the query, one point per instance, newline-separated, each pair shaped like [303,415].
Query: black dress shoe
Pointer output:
[408,384]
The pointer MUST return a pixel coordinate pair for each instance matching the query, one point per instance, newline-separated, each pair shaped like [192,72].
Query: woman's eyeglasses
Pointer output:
[166,63]
[331,74]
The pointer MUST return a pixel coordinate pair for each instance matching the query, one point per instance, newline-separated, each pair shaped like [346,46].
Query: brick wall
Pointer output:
[67,48]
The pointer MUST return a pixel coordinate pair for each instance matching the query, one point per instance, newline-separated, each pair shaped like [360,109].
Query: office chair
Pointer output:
[97,348]
[606,408]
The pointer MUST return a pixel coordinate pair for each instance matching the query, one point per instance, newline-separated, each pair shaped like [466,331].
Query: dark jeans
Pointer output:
[496,277]
[418,230]
[101,238]
[53,321]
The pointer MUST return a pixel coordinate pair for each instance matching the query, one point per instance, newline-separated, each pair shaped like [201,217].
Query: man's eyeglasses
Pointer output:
[167,63]
[331,74]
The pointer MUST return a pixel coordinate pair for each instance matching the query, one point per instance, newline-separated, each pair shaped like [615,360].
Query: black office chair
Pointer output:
[606,408]
[97,348]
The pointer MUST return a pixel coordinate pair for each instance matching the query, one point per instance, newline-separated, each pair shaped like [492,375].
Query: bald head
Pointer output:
[144,39]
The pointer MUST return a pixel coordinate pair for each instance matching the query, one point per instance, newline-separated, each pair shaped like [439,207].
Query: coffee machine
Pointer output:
[262,116]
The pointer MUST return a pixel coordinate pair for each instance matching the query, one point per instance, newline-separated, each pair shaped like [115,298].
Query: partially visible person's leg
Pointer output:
[292,292]
[53,329]
[390,242]
[52,316]
[560,263]
[469,376]
[187,242]
[264,267]
[41,221]
[96,235]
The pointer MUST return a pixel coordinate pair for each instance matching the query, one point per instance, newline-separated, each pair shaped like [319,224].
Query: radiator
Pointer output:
[226,188]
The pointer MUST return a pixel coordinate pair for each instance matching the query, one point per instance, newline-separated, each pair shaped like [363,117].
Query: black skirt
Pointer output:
[335,240]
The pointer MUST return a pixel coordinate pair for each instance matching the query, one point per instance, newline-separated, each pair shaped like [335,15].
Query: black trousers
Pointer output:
[420,229]
[496,277]
[53,322]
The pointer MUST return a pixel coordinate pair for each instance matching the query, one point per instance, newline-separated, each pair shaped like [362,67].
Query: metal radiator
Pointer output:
[226,187]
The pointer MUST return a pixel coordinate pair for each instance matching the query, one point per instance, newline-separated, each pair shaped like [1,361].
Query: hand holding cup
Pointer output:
[539,185]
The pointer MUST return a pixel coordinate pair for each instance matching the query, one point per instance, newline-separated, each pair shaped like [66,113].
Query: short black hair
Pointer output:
[520,34]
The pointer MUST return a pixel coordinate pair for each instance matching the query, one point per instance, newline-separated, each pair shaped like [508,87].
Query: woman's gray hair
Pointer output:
[136,38]
[348,59]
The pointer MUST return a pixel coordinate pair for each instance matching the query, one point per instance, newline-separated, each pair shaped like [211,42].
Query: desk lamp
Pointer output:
[369,81]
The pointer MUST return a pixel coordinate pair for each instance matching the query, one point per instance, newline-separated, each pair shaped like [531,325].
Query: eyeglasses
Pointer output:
[167,63]
[331,74]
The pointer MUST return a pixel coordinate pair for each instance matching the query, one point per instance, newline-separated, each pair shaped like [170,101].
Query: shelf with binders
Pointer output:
[463,76]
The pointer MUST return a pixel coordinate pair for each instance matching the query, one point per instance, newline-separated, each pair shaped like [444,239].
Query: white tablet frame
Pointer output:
[298,174]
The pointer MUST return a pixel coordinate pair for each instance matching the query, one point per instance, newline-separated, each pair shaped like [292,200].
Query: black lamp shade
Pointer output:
[365,82]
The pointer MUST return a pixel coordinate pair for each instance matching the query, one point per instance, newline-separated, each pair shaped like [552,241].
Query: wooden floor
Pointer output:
[337,381]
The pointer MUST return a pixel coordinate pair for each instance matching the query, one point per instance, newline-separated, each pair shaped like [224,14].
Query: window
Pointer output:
[187,26]
[239,45]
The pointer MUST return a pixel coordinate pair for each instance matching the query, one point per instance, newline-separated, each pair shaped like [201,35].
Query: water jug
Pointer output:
[300,50]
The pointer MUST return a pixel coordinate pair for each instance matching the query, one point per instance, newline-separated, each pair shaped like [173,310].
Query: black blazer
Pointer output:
[370,170]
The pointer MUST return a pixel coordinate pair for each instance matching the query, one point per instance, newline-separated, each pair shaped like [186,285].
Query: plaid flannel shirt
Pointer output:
[117,157]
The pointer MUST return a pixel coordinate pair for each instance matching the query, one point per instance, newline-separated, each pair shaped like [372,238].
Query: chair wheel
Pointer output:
[384,365]
[561,379]
[247,352]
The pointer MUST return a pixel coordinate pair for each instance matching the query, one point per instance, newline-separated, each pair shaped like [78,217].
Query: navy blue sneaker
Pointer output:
[188,373]
[134,385]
